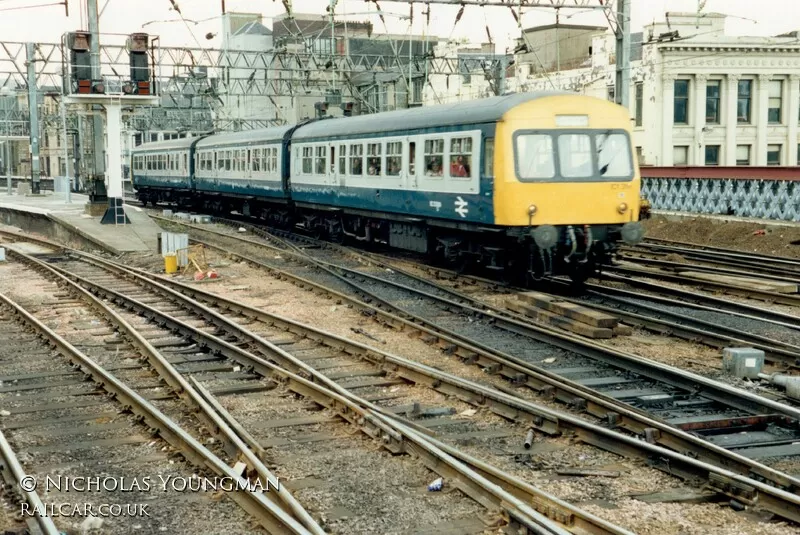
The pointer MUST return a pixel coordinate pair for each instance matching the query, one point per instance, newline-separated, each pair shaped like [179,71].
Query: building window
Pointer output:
[680,155]
[639,156]
[744,101]
[681,115]
[611,93]
[712,154]
[153,138]
[774,106]
[712,102]
[798,154]
[416,90]
[639,91]
[773,154]
[137,140]
[743,155]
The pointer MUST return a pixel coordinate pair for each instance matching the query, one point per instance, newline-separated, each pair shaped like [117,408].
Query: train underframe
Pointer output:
[522,255]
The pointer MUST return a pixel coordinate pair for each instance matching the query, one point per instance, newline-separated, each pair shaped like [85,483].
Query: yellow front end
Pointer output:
[562,200]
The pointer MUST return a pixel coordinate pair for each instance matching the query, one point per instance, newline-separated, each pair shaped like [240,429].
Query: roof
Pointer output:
[172,144]
[274,133]
[253,28]
[564,27]
[474,111]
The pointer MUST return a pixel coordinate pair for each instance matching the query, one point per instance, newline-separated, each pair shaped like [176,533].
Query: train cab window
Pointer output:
[434,157]
[319,163]
[614,155]
[356,159]
[534,153]
[342,159]
[488,157]
[575,155]
[394,158]
[308,160]
[256,160]
[373,159]
[412,157]
[461,157]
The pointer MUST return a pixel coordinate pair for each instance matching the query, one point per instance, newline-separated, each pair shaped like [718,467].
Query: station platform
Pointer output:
[29,210]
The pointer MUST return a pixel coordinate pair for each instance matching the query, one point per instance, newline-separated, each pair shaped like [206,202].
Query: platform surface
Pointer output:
[140,236]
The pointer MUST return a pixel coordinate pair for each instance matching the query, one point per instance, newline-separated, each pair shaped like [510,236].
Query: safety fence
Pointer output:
[756,192]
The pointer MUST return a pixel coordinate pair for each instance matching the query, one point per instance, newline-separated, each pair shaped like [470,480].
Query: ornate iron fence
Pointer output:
[757,192]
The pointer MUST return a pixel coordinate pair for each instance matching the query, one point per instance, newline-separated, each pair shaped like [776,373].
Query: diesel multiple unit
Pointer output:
[528,184]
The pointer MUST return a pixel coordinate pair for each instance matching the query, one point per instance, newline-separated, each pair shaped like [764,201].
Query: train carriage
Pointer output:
[528,184]
[162,171]
[533,182]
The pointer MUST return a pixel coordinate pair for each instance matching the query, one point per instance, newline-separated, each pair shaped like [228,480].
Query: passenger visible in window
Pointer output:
[374,166]
[458,167]
[356,164]
[434,169]
[393,168]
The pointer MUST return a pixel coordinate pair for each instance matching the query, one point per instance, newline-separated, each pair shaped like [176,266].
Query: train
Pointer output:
[525,185]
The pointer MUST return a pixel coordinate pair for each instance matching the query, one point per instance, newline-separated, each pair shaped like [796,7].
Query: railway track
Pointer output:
[616,413]
[515,512]
[55,392]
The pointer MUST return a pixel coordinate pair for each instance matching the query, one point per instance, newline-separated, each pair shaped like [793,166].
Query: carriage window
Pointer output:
[308,160]
[265,160]
[394,158]
[228,160]
[488,157]
[320,161]
[434,157]
[185,162]
[342,159]
[242,160]
[256,160]
[614,155]
[461,157]
[412,157]
[575,155]
[274,165]
[535,156]
[356,160]
[373,159]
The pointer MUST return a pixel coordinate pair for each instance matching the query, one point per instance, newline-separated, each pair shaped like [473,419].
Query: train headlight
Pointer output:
[622,208]
[545,236]
[632,232]
[532,210]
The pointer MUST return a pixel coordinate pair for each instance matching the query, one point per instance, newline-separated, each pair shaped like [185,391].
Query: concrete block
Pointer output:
[167,212]
[742,361]
[23,188]
[2,255]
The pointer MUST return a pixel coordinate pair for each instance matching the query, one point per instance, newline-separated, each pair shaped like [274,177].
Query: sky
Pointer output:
[47,24]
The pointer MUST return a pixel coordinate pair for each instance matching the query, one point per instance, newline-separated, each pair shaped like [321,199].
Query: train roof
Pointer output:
[471,112]
[171,144]
[274,133]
